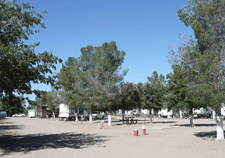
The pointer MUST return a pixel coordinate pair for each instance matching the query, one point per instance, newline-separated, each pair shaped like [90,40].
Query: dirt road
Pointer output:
[35,137]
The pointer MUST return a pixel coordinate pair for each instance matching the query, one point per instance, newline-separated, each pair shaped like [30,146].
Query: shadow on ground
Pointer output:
[10,127]
[211,134]
[1,122]
[164,122]
[196,125]
[27,143]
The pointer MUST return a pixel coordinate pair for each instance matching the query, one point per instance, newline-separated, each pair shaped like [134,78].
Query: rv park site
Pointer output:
[165,137]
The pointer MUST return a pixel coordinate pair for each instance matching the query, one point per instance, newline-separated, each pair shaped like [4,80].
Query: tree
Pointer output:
[127,97]
[180,94]
[12,105]
[71,80]
[206,55]
[54,98]
[19,64]
[152,93]
[109,60]
[99,66]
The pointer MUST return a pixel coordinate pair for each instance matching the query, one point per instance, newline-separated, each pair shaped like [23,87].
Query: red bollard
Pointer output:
[136,132]
[81,120]
[102,124]
[58,118]
[183,116]
[67,119]
[144,129]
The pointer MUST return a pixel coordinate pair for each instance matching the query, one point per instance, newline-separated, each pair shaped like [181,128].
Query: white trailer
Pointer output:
[65,112]
[166,113]
[31,113]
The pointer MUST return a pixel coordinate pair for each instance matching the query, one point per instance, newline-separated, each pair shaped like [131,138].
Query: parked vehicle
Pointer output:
[166,113]
[18,115]
[3,114]
[202,112]
[65,112]
[32,113]
[98,115]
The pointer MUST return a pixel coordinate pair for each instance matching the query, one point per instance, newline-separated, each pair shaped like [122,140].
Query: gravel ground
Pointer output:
[35,137]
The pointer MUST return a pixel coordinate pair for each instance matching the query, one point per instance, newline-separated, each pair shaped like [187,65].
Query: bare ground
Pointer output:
[35,137]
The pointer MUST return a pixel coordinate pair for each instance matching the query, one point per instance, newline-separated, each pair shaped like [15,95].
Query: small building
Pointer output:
[43,110]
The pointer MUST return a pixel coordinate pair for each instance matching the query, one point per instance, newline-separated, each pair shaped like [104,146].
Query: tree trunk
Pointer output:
[123,113]
[109,117]
[191,117]
[76,116]
[150,115]
[180,114]
[90,116]
[219,128]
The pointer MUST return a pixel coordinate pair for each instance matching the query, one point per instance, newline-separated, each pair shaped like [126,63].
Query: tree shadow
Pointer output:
[164,122]
[211,134]
[10,127]
[195,125]
[31,142]
[1,123]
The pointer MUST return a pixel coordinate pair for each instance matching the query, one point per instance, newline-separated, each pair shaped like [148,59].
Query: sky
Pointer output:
[143,29]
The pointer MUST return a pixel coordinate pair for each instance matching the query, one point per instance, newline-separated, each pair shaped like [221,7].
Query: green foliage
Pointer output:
[12,105]
[54,98]
[126,97]
[19,64]
[198,78]
[152,92]
[91,80]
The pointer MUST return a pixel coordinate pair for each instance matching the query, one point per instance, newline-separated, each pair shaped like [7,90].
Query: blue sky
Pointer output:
[143,29]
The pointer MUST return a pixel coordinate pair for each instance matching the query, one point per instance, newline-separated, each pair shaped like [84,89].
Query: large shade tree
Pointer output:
[70,79]
[127,97]
[205,57]
[152,93]
[20,65]
[110,61]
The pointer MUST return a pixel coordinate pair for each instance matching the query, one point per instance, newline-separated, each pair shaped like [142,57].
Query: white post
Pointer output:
[153,114]
[109,119]
[219,128]
[214,115]
[76,117]
[181,114]
[90,118]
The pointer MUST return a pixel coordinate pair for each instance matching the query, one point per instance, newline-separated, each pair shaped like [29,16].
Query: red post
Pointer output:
[144,131]
[67,119]
[102,124]
[81,120]
[136,132]
[58,118]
